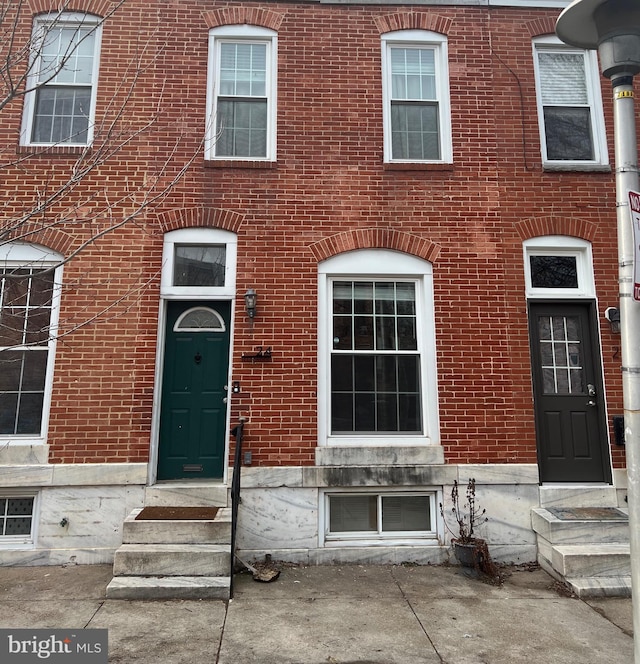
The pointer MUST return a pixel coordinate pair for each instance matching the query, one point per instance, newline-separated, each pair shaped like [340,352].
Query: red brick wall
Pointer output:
[328,191]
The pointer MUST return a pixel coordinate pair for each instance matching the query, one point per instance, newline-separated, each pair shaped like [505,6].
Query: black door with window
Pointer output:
[568,393]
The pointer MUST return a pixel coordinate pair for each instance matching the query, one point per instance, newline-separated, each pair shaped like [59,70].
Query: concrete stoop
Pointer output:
[590,555]
[174,559]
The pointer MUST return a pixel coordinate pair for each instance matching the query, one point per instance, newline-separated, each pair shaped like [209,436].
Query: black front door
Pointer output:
[568,400]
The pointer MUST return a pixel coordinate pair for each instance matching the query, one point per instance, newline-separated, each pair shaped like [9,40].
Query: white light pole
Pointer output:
[613,27]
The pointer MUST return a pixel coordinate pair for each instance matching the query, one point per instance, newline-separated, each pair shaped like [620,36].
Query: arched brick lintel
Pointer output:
[264,18]
[200,217]
[51,238]
[541,26]
[97,7]
[571,227]
[413,21]
[375,238]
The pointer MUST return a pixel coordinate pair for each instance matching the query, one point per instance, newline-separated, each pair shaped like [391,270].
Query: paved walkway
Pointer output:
[333,615]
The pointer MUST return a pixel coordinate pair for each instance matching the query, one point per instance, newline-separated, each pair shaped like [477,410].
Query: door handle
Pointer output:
[591,403]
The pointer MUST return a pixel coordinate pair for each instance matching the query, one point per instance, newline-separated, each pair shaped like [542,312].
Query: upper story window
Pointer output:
[60,103]
[570,111]
[417,124]
[242,93]
[29,296]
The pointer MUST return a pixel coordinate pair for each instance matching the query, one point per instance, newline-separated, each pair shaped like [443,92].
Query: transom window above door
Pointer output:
[199,263]
[558,267]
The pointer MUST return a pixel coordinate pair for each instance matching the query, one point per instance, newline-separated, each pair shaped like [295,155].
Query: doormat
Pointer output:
[588,513]
[158,513]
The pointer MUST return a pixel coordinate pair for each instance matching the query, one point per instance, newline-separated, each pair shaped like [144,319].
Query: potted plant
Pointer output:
[470,551]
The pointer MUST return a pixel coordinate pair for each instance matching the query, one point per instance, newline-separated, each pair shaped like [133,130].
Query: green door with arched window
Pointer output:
[193,411]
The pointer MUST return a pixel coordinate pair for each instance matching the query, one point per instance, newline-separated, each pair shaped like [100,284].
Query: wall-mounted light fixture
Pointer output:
[612,314]
[250,298]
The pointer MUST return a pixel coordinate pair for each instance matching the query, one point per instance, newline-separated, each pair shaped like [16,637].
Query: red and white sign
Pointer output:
[634,203]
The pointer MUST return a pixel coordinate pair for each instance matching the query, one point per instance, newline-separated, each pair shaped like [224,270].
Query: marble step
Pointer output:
[600,586]
[578,531]
[172,560]
[169,531]
[168,587]
[578,496]
[187,494]
[591,560]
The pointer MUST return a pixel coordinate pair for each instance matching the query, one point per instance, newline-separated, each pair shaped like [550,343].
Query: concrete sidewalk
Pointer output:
[335,615]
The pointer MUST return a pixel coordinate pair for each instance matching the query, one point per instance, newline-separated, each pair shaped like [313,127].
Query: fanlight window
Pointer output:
[200,319]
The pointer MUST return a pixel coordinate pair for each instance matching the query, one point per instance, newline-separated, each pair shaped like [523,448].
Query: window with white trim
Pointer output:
[558,267]
[570,113]
[29,298]
[242,93]
[377,347]
[60,102]
[417,123]
[369,517]
[199,262]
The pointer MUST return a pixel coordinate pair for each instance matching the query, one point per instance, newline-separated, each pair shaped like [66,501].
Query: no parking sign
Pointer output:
[634,203]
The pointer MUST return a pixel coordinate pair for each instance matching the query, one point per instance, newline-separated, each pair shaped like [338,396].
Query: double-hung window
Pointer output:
[242,90]
[417,123]
[29,294]
[570,111]
[378,380]
[61,98]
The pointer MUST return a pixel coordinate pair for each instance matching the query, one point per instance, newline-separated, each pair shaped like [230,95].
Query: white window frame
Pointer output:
[8,542]
[76,19]
[395,538]
[417,38]
[197,236]
[552,44]
[241,33]
[559,245]
[367,264]
[15,255]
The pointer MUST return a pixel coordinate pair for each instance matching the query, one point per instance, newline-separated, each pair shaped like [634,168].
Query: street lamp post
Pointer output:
[613,27]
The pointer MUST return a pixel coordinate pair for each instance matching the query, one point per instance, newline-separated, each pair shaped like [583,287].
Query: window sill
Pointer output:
[239,163]
[417,166]
[53,150]
[573,168]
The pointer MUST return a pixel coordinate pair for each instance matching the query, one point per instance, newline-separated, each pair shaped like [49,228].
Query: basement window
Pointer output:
[17,519]
[379,517]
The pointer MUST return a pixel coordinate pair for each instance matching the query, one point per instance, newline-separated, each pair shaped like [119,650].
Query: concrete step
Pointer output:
[172,560]
[579,531]
[168,587]
[591,560]
[169,531]
[187,494]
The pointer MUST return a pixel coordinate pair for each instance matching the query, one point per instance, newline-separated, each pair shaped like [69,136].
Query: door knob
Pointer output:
[197,358]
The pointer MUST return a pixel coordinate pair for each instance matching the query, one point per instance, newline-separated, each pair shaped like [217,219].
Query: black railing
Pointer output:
[238,432]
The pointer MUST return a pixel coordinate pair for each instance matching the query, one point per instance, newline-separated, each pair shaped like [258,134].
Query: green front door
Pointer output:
[193,411]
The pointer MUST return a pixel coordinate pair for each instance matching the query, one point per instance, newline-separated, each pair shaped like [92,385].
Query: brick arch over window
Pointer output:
[541,26]
[571,227]
[200,217]
[96,7]
[51,238]
[375,238]
[413,21]
[264,18]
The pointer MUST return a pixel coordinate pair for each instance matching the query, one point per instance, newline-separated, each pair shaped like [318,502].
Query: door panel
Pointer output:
[568,393]
[194,396]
